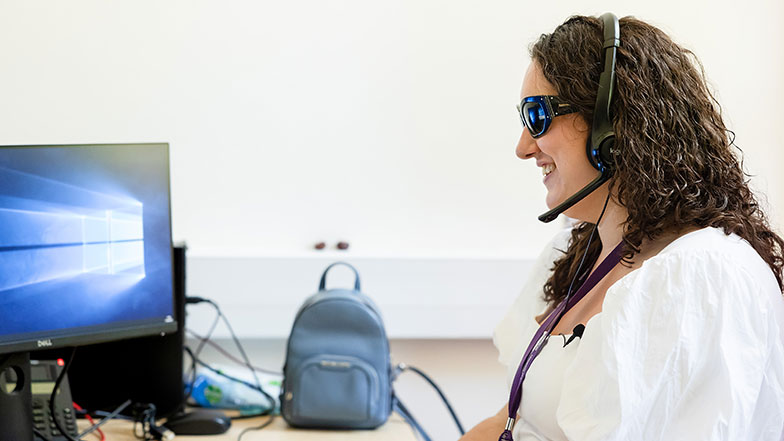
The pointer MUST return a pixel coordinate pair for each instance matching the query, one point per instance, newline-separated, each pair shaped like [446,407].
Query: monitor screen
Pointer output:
[85,244]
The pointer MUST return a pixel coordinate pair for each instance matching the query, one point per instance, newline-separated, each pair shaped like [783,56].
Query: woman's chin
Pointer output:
[579,211]
[552,200]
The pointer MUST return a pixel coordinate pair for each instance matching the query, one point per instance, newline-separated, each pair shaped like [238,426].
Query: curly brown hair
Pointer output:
[675,165]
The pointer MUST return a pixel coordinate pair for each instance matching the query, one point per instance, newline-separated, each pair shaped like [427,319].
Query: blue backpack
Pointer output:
[337,372]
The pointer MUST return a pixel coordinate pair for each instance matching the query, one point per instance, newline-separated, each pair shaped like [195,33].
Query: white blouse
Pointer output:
[688,346]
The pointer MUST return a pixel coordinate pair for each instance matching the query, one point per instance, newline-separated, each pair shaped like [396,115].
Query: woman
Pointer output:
[682,339]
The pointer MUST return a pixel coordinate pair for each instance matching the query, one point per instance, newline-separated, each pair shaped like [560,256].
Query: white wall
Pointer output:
[418,297]
[387,124]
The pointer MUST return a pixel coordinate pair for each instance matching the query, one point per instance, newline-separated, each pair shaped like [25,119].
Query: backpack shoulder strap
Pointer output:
[398,407]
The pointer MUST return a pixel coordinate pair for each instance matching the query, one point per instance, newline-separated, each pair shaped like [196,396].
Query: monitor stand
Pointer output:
[16,402]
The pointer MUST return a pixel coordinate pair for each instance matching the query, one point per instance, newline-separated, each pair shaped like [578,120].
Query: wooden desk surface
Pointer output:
[394,430]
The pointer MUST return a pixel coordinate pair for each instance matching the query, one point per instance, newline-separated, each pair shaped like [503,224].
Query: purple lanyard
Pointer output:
[536,345]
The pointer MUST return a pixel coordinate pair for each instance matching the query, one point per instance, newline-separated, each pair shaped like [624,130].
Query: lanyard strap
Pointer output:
[535,347]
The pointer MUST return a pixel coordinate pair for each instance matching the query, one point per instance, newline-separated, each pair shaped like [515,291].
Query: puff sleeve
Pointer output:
[688,347]
[518,325]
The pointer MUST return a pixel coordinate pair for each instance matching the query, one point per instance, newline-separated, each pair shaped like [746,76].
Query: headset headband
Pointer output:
[600,143]
[602,134]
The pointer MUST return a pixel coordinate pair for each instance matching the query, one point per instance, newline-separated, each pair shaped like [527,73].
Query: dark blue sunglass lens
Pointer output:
[534,118]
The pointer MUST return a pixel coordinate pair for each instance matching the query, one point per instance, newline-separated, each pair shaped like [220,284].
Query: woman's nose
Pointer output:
[526,146]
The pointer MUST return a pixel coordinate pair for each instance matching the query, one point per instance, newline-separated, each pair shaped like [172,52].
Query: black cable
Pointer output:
[585,253]
[405,367]
[242,352]
[576,274]
[403,411]
[193,300]
[211,329]
[52,397]
[217,371]
[271,408]
[106,419]
[259,427]
[265,412]
[223,351]
[144,415]
[236,342]
[192,371]
[101,413]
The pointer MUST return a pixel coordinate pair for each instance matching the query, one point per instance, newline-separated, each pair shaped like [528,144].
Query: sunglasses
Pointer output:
[537,112]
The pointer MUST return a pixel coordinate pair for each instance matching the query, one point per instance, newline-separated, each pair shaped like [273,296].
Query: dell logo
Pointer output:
[44,343]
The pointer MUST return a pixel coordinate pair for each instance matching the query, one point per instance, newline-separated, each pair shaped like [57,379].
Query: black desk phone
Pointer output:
[43,374]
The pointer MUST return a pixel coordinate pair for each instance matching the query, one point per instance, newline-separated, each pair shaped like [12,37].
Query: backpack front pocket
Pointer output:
[334,390]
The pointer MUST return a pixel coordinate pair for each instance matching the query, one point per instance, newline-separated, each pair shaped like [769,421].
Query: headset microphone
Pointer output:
[600,144]
[575,198]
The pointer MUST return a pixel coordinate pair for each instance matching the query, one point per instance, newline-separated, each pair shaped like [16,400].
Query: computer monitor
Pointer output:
[85,245]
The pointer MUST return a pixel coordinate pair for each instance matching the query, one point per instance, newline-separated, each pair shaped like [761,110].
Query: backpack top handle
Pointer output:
[323,284]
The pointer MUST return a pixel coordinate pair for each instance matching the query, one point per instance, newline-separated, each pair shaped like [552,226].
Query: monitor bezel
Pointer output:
[105,332]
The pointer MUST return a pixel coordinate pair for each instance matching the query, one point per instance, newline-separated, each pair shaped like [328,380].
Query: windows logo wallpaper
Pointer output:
[85,237]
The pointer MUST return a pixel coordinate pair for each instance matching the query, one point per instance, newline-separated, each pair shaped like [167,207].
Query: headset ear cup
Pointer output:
[606,151]
[601,158]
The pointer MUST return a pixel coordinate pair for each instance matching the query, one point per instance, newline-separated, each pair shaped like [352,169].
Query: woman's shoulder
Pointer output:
[702,319]
[703,272]
[710,252]
[710,239]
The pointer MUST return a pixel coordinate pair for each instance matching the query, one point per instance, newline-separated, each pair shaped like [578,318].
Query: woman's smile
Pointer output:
[547,171]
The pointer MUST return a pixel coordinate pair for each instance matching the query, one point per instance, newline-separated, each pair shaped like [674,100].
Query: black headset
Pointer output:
[602,140]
